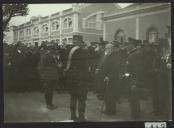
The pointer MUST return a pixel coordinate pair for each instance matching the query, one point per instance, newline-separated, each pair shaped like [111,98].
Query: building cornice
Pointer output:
[47,18]
[136,11]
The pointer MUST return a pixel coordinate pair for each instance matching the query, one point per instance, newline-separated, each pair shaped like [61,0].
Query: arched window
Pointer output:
[152,34]
[35,30]
[94,21]
[28,32]
[55,25]
[120,36]
[45,28]
[67,23]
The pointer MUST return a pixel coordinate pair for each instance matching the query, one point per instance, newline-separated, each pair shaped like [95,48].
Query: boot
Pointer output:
[81,117]
[73,115]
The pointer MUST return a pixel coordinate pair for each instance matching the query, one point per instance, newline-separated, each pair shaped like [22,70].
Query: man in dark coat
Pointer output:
[18,67]
[141,66]
[49,72]
[161,93]
[76,72]
[134,58]
[113,69]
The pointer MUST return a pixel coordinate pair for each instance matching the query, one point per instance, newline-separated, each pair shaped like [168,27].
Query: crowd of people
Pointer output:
[134,69]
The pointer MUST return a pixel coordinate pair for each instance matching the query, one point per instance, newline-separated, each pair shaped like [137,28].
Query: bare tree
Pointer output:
[13,10]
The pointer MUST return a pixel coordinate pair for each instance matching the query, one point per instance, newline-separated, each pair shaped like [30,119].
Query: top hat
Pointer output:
[77,39]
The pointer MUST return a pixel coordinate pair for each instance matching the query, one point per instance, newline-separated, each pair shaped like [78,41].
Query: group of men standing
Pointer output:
[118,69]
[111,70]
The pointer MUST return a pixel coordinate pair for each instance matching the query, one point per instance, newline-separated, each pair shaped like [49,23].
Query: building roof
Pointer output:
[137,8]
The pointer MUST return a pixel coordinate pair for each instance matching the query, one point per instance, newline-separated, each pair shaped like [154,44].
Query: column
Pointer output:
[104,31]
[24,29]
[137,27]
[31,32]
[61,27]
[39,27]
[49,28]
[75,22]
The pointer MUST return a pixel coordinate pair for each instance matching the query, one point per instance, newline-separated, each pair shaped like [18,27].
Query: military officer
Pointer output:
[76,72]
[49,73]
[162,92]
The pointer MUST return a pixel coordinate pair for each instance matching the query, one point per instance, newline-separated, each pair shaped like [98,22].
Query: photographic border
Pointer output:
[123,124]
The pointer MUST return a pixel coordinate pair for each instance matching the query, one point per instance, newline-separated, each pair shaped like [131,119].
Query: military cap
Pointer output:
[162,42]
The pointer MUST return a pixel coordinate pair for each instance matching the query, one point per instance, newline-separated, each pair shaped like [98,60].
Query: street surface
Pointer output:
[30,107]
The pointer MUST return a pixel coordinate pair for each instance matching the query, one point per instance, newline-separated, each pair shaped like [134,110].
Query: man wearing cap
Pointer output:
[141,66]
[48,68]
[161,91]
[76,72]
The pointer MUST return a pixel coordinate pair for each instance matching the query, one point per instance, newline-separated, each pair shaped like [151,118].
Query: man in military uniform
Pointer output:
[162,92]
[142,76]
[76,72]
[49,72]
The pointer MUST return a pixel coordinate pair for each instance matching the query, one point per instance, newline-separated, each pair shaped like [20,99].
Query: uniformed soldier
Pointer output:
[143,76]
[76,71]
[49,73]
[162,91]
[97,57]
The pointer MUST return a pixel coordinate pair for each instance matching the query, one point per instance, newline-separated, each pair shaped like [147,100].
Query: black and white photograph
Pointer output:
[87,62]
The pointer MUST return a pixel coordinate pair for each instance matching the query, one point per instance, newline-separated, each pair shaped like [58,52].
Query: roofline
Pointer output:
[133,11]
